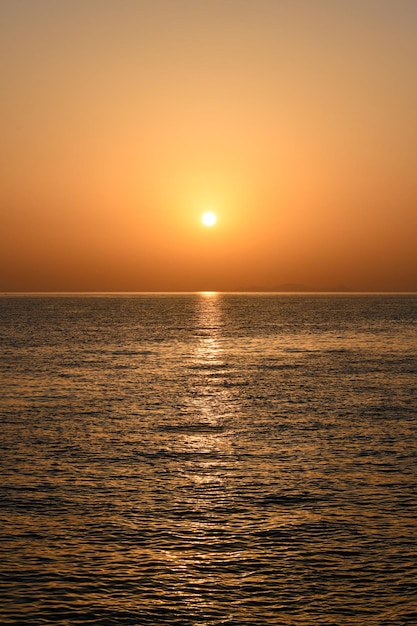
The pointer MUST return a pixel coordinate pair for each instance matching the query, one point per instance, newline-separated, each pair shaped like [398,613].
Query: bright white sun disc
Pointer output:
[209,218]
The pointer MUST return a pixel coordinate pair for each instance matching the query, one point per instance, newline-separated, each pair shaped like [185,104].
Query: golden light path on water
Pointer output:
[212,402]
[208,449]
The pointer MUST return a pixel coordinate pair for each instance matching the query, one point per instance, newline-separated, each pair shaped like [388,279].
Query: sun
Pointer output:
[209,218]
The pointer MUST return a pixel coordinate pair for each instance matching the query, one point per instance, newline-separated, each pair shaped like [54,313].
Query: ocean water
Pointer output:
[209,459]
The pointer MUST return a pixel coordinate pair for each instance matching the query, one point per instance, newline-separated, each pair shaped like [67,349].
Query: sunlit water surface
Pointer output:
[209,459]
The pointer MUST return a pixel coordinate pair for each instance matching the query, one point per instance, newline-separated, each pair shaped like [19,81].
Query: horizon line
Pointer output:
[204,292]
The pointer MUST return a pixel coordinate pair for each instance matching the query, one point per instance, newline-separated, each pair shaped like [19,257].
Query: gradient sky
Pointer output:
[122,121]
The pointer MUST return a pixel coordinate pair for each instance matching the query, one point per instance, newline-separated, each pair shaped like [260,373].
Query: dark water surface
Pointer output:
[208,459]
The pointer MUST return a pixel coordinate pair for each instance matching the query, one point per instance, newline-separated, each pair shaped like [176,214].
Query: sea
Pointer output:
[208,459]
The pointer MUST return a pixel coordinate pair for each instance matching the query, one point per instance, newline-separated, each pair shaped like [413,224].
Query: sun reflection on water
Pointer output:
[206,453]
[209,401]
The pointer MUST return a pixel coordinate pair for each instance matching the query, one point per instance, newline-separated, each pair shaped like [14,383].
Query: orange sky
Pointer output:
[123,120]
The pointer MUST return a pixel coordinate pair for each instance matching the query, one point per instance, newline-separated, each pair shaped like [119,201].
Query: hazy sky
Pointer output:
[122,121]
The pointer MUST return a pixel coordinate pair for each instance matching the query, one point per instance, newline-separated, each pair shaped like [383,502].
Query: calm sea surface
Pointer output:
[209,460]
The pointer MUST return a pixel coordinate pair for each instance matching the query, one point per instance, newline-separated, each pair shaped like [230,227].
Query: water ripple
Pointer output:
[228,460]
